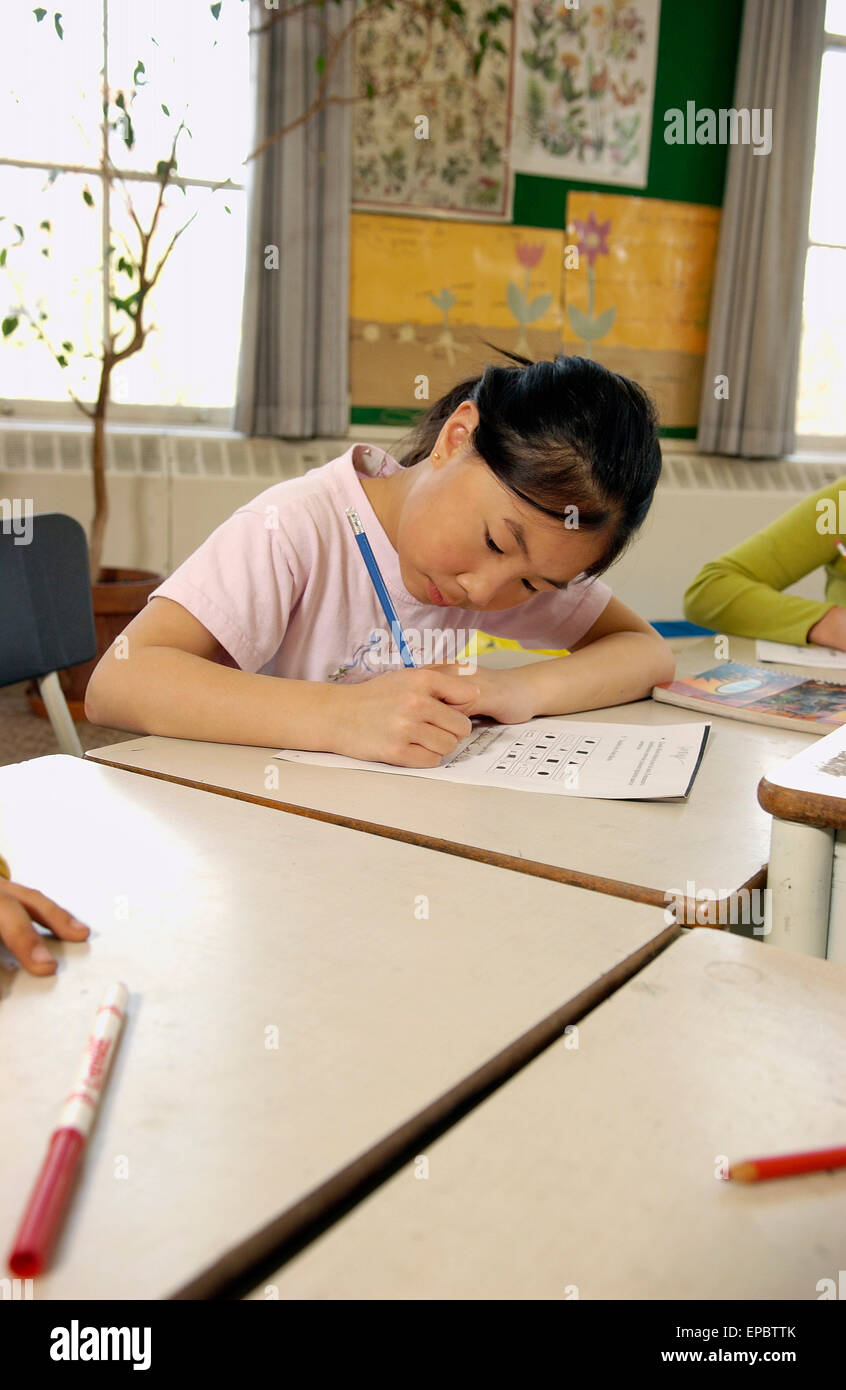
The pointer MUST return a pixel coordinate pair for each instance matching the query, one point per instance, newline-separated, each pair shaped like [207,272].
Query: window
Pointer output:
[821,396]
[176,56]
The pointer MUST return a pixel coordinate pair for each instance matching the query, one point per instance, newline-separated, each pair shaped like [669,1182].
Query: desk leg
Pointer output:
[799,880]
[836,949]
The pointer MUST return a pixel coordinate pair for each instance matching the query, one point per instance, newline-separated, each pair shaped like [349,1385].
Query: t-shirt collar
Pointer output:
[369,459]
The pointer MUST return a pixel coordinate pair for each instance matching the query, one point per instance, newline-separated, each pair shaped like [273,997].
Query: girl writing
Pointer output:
[520,487]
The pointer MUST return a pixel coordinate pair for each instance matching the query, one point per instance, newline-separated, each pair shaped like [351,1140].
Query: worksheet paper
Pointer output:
[652,762]
[789,655]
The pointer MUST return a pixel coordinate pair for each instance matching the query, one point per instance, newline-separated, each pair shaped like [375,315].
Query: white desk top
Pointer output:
[719,837]
[225,921]
[818,770]
[595,1167]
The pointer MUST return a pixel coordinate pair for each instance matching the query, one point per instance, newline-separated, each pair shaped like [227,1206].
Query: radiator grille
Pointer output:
[151,454]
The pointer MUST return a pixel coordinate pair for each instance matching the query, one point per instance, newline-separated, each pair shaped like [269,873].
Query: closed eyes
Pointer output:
[493,546]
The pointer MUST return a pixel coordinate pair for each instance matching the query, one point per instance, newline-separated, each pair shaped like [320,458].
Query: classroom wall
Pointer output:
[698,46]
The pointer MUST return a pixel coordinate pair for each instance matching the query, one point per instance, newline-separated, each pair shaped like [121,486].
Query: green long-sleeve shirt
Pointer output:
[740,592]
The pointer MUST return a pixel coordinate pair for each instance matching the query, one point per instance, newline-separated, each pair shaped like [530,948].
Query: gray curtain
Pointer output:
[292,371]
[756,310]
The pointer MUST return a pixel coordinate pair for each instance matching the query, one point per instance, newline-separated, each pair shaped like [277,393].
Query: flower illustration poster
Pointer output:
[584,89]
[592,242]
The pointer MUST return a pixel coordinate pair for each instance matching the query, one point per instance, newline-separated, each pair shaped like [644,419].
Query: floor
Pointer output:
[24,736]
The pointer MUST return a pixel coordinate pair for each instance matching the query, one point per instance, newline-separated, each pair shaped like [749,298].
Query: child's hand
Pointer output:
[411,718]
[502,695]
[17,905]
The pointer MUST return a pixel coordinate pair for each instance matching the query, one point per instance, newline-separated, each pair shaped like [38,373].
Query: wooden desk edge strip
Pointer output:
[615,888]
[808,808]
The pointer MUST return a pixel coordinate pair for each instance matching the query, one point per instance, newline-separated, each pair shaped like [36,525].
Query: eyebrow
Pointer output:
[517,532]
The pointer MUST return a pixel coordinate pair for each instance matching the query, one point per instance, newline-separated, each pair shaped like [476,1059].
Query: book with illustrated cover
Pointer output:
[760,697]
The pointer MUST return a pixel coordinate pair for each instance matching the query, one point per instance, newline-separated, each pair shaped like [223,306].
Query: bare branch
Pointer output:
[167,252]
[86,409]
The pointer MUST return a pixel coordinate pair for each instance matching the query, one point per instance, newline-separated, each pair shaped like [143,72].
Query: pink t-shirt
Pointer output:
[283,587]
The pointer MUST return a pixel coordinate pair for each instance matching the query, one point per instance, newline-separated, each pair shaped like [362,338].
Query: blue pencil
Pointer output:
[379,585]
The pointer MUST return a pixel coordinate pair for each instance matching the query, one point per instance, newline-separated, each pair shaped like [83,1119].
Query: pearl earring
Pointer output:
[436,455]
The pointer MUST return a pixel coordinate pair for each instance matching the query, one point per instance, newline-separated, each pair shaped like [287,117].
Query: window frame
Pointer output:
[19,410]
[821,443]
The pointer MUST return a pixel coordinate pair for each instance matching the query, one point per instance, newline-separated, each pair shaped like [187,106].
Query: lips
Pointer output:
[435,594]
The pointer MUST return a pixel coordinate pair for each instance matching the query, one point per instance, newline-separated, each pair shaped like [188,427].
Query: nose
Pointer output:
[480,587]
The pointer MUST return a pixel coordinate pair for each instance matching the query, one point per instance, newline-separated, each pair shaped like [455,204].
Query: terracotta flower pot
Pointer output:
[117,597]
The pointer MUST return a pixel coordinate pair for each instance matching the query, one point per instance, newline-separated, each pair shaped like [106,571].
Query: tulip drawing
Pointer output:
[592,242]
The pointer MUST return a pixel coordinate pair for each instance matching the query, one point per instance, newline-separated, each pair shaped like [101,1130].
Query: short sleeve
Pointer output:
[240,585]
[552,620]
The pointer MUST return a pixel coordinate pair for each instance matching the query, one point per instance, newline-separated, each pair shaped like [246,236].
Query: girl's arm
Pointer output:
[741,592]
[619,659]
[162,676]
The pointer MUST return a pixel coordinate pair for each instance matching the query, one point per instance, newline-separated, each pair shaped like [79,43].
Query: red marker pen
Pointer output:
[786,1165]
[49,1197]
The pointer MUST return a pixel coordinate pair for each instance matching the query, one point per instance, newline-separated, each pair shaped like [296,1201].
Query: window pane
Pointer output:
[821,407]
[50,87]
[827,218]
[199,69]
[191,357]
[66,285]
[835,16]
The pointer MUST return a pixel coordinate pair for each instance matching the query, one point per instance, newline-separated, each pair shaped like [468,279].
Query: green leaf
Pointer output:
[164,108]
[20,231]
[516,301]
[370,89]
[320,65]
[45,225]
[57,20]
[39,15]
[139,67]
[226,209]
[45,251]
[3,256]
[9,325]
[215,9]
[582,325]
[604,321]
[61,359]
[87,197]
[68,347]
[539,306]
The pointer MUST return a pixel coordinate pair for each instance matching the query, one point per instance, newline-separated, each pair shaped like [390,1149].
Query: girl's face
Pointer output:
[459,532]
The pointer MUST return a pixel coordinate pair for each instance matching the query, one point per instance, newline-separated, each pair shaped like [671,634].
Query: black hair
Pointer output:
[559,434]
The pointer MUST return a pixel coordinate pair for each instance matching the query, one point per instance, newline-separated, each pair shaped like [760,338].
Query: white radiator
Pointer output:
[168,491]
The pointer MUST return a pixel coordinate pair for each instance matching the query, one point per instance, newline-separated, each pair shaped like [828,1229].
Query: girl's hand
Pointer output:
[411,718]
[502,695]
[17,905]
[830,631]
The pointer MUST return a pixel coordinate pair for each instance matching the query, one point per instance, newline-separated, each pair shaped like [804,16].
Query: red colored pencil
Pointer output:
[786,1165]
[51,1193]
